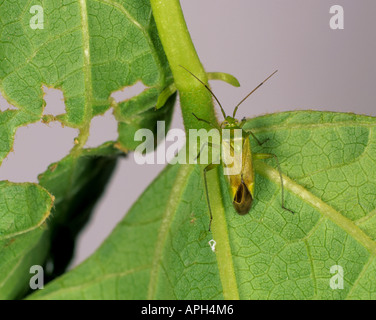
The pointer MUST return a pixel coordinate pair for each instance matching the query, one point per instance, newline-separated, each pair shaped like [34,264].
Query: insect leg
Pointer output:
[203,146]
[260,156]
[206,169]
[209,167]
[242,122]
[254,137]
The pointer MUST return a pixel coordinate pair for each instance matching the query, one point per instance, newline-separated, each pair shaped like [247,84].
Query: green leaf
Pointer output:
[24,209]
[165,94]
[161,251]
[9,121]
[226,77]
[88,49]
[76,184]
[142,118]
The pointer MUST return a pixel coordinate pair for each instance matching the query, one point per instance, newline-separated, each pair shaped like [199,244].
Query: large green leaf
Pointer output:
[88,49]
[160,250]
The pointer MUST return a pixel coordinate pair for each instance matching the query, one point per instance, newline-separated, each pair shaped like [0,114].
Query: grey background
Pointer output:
[319,69]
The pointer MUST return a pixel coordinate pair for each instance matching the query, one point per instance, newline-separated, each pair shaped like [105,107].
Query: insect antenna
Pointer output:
[223,112]
[236,108]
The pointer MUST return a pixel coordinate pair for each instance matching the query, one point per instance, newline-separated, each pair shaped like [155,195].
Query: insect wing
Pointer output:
[238,168]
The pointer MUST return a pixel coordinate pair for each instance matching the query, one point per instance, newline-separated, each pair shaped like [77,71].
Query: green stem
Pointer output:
[179,49]
[81,140]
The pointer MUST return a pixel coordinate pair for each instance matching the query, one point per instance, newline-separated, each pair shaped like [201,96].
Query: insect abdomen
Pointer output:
[242,201]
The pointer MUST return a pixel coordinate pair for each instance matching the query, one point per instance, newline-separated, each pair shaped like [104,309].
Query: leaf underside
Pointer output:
[160,250]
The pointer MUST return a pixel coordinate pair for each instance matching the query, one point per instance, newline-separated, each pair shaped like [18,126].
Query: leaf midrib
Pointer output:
[171,207]
[220,234]
[219,231]
[326,211]
[344,223]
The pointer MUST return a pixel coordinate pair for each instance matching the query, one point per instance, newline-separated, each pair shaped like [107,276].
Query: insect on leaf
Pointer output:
[161,249]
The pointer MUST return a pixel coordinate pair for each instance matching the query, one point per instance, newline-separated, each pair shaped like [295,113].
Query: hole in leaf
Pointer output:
[103,128]
[128,92]
[35,147]
[4,105]
[54,101]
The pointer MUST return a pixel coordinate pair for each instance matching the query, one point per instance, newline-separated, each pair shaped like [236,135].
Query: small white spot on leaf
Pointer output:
[212,244]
